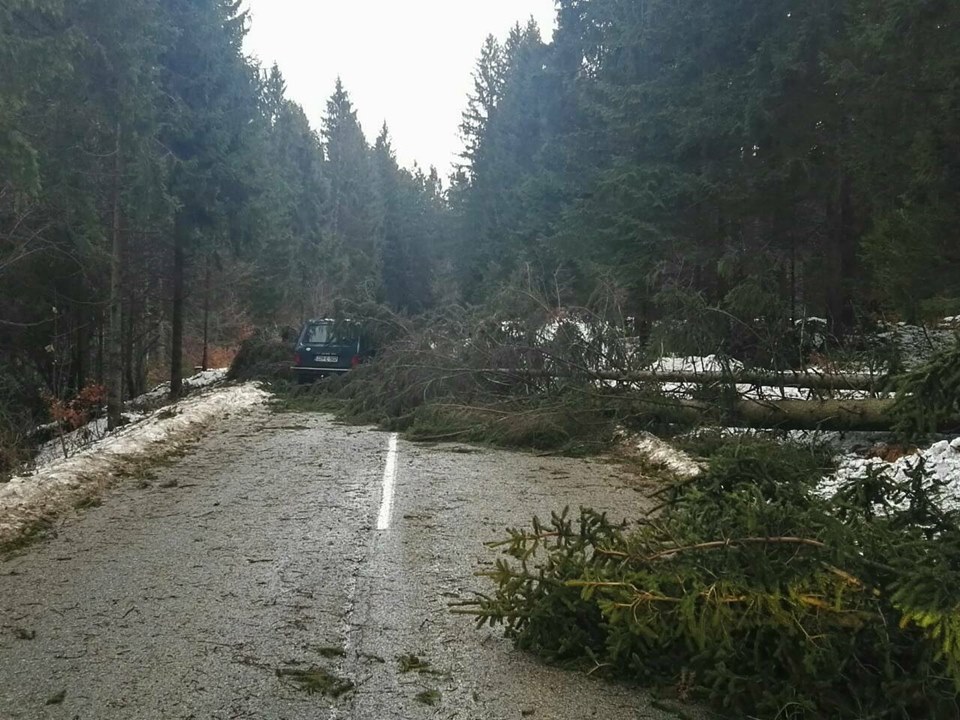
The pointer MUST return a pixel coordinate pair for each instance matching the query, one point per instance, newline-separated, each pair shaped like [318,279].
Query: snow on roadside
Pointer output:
[942,461]
[96,430]
[662,454]
[60,484]
[159,393]
[850,451]
[77,440]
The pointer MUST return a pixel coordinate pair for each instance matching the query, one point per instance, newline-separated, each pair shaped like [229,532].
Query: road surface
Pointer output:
[290,543]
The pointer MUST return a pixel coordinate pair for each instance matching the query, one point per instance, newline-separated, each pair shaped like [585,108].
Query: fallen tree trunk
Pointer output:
[841,415]
[808,381]
[781,414]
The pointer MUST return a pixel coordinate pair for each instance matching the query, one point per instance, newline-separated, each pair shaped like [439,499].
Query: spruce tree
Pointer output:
[351,215]
[214,103]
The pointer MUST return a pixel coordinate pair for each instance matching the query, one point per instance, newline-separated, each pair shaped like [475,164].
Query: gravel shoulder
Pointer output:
[184,594]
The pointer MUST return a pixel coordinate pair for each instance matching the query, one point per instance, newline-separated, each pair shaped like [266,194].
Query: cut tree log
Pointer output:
[783,414]
[809,381]
[843,415]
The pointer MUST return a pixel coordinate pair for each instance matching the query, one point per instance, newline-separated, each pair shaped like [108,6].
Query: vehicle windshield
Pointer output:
[327,334]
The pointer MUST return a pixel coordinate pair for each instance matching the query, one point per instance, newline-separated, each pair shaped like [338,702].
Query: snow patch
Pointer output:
[942,461]
[695,364]
[942,458]
[201,380]
[657,452]
[917,344]
[75,441]
[96,430]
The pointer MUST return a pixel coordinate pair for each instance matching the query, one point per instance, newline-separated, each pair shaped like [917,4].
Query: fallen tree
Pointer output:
[734,402]
[840,415]
[751,591]
[859,382]
[470,374]
[927,400]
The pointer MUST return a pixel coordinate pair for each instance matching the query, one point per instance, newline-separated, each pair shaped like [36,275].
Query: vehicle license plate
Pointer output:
[327,359]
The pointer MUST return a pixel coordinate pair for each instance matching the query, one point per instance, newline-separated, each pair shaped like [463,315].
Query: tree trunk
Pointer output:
[101,379]
[780,414]
[808,381]
[81,363]
[843,254]
[176,335]
[115,339]
[206,316]
[129,339]
[848,252]
[838,415]
[793,280]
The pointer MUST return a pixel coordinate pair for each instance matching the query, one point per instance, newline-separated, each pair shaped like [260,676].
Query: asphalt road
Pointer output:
[268,549]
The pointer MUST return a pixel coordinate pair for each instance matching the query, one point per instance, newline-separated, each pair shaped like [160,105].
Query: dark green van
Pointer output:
[329,347]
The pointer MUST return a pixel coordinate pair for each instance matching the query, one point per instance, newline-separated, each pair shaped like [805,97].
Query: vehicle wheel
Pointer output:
[304,379]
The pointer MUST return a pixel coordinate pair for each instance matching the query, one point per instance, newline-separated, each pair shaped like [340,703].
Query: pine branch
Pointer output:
[720,544]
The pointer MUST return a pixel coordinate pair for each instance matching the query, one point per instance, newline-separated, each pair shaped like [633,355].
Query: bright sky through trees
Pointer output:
[408,62]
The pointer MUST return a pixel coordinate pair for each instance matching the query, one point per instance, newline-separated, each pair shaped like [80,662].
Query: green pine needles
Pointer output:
[928,399]
[762,598]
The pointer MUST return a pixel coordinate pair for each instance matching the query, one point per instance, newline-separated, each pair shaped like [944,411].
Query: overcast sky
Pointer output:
[408,62]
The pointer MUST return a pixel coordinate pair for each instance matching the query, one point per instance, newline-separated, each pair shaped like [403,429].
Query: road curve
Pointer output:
[184,593]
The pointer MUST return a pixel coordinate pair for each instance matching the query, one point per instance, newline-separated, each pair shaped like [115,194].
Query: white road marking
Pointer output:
[389,482]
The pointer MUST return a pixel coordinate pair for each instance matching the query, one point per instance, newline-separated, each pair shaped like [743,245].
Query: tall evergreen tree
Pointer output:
[351,216]
[411,233]
[897,76]
[214,102]
[396,267]
[294,260]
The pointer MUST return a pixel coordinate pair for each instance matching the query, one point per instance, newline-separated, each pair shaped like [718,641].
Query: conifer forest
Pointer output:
[667,217]
[754,157]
